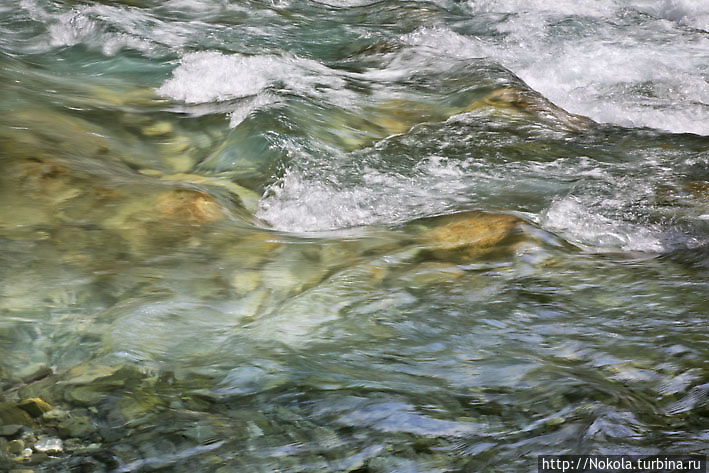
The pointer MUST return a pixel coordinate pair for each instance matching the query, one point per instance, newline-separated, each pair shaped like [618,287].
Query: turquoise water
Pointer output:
[358,236]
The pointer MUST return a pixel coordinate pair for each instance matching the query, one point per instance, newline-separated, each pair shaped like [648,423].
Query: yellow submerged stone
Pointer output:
[187,206]
[471,234]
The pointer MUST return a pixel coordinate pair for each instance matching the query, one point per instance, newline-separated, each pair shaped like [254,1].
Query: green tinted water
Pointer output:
[299,237]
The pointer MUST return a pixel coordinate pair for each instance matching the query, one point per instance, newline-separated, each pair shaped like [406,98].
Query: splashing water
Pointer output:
[353,235]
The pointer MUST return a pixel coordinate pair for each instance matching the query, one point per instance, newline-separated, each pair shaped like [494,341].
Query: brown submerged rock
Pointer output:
[186,206]
[56,185]
[468,235]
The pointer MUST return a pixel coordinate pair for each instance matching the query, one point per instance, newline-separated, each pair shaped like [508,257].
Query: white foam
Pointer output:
[692,13]
[579,223]
[559,7]
[610,63]
[209,76]
[303,202]
[212,76]
[72,28]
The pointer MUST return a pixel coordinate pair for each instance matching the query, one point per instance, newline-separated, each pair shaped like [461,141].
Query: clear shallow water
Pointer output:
[229,233]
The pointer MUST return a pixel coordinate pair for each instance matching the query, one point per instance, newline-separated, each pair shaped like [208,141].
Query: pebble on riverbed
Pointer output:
[49,445]
[10,430]
[16,447]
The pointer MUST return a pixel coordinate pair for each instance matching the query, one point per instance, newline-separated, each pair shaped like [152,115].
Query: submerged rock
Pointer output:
[398,116]
[10,430]
[120,95]
[246,197]
[292,273]
[34,406]
[49,445]
[354,130]
[46,179]
[192,207]
[11,414]
[5,462]
[150,223]
[33,371]
[88,212]
[530,101]
[244,282]
[89,373]
[89,384]
[61,132]
[158,129]
[76,426]
[16,447]
[469,235]
[181,163]
[250,249]
[432,273]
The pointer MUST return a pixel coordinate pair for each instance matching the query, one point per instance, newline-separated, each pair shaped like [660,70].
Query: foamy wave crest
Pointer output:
[580,224]
[210,76]
[622,64]
[299,202]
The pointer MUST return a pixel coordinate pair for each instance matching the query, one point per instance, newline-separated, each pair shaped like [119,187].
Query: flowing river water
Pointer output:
[391,236]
